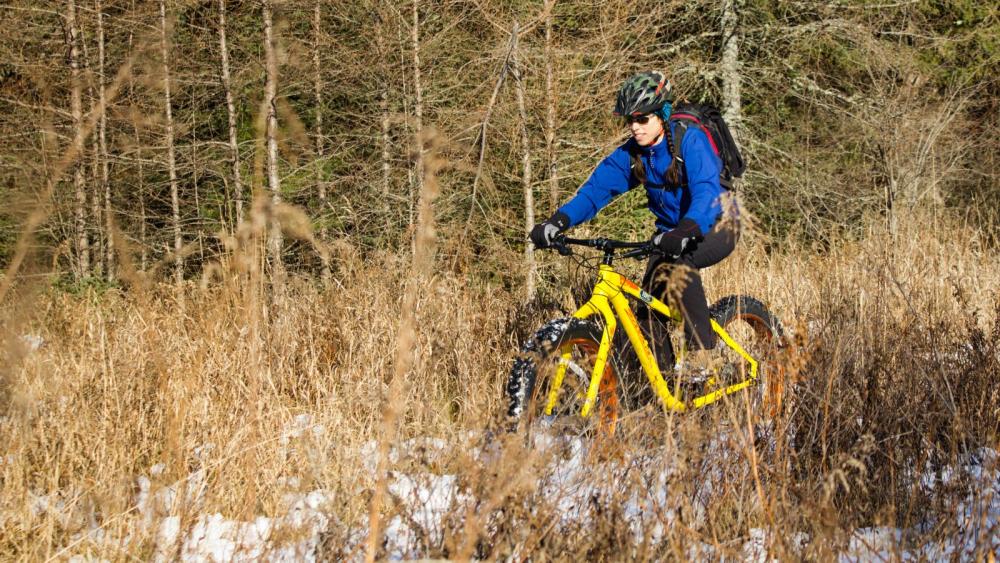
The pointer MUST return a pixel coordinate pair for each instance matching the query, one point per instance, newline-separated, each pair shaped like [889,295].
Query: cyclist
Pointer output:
[686,201]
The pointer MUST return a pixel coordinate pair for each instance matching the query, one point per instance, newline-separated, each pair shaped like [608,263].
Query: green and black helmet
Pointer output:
[642,93]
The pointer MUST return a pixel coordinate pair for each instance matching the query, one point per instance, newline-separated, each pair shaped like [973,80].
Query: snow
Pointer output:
[212,537]
[32,342]
[427,503]
[570,482]
[976,519]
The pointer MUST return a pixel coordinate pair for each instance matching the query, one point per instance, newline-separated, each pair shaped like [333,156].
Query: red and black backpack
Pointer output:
[708,119]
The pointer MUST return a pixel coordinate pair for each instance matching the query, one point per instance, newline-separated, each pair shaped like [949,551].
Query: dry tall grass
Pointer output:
[207,388]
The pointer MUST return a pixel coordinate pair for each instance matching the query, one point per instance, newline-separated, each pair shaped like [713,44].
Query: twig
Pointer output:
[26,105]
[504,68]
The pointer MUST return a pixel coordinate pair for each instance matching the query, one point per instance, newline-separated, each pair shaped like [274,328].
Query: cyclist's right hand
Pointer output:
[543,234]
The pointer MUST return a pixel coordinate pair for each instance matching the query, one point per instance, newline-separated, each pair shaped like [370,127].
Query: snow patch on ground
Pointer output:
[426,503]
[214,538]
[976,519]
[32,342]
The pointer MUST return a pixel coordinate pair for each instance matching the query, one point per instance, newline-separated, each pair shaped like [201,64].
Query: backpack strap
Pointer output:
[682,121]
[680,128]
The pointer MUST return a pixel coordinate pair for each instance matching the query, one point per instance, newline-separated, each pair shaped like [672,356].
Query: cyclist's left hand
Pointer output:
[674,242]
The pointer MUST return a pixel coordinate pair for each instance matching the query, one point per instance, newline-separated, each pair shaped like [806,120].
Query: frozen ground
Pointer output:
[431,501]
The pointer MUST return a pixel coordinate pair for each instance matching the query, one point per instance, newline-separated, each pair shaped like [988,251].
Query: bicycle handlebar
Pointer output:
[638,250]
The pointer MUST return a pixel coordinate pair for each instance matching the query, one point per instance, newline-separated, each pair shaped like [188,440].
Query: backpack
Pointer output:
[708,119]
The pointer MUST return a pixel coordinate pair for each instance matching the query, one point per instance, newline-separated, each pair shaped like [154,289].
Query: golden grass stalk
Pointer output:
[421,268]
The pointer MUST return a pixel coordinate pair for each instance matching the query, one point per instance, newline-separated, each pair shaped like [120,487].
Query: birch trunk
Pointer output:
[144,247]
[197,198]
[234,149]
[731,79]
[271,139]
[76,110]
[171,157]
[418,108]
[550,110]
[95,195]
[383,55]
[318,86]
[144,253]
[102,128]
[529,196]
[410,132]
[96,203]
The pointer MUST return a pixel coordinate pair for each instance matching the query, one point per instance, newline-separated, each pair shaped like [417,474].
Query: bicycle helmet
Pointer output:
[646,92]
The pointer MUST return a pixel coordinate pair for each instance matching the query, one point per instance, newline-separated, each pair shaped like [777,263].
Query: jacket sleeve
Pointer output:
[612,177]
[703,168]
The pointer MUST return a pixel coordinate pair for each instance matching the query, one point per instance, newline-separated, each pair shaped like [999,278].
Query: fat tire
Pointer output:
[744,307]
[540,348]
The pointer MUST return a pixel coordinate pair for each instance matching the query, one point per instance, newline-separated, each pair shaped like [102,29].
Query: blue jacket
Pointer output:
[698,200]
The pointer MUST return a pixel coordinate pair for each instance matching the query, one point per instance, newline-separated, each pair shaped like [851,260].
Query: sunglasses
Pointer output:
[640,119]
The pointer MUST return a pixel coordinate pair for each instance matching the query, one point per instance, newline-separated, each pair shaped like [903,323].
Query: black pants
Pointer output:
[667,280]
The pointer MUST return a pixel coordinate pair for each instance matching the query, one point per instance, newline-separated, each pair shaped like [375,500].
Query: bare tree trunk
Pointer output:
[102,128]
[96,236]
[271,138]
[144,246]
[418,107]
[144,253]
[171,157]
[96,194]
[234,148]
[731,79]
[76,109]
[318,84]
[383,55]
[199,229]
[550,109]
[411,180]
[529,196]
[96,201]
[423,243]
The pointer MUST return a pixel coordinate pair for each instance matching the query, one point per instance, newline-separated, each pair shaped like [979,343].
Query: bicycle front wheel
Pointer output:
[574,342]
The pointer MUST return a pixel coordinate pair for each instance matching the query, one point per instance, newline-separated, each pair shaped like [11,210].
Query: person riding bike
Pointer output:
[685,197]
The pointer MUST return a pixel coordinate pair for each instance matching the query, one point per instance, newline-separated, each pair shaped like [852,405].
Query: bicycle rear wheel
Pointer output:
[760,333]
[531,378]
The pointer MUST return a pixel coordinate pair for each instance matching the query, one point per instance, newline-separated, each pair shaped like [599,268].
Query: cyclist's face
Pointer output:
[646,129]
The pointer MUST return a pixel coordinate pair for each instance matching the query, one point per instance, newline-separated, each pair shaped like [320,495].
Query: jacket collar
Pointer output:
[657,149]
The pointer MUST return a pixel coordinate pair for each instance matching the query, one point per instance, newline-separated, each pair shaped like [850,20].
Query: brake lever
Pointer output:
[643,252]
[559,243]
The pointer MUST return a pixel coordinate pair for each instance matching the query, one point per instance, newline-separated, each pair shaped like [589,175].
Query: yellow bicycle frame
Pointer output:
[608,298]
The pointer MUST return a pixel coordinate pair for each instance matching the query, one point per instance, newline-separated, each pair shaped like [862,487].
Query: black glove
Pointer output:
[543,233]
[674,242]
